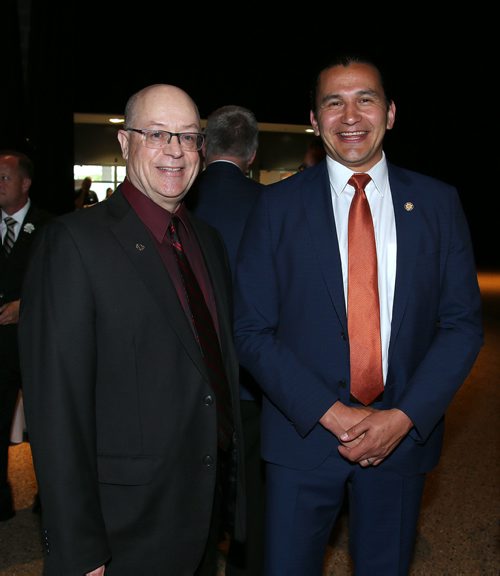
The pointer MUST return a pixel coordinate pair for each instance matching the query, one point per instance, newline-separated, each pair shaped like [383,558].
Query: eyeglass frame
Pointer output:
[145,131]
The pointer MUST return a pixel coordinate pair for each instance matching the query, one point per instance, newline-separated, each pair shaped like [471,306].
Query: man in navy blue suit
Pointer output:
[292,334]
[223,195]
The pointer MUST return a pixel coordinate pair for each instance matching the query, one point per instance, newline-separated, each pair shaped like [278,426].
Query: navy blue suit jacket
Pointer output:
[291,325]
[224,197]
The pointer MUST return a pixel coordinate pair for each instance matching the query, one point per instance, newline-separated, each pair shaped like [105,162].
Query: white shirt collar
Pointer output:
[339,175]
[20,215]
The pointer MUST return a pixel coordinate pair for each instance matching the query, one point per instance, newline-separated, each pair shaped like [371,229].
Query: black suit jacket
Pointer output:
[12,270]
[119,406]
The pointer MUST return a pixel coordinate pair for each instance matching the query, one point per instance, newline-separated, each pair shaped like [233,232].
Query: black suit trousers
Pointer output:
[247,558]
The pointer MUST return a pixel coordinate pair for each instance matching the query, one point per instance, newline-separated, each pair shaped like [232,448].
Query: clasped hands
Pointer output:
[367,436]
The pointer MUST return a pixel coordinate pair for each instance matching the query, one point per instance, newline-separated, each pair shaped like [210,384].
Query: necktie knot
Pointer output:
[173,234]
[359,181]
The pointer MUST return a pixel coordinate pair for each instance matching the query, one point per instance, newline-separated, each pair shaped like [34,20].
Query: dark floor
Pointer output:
[459,522]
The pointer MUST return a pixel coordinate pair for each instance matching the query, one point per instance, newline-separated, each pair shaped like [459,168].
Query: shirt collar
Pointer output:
[20,215]
[339,175]
[221,160]
[153,216]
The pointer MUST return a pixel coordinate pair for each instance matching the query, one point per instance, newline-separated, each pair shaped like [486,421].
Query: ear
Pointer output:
[26,185]
[123,138]
[252,158]
[314,123]
[391,116]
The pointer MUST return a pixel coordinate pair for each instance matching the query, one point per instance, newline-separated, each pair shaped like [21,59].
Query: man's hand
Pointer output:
[9,313]
[97,572]
[378,435]
[340,418]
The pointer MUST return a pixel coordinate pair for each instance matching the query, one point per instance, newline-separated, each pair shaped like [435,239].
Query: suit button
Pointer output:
[208,400]
[343,336]
[342,383]
[208,461]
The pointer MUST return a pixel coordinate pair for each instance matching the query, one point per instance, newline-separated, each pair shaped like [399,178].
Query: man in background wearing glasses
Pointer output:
[134,424]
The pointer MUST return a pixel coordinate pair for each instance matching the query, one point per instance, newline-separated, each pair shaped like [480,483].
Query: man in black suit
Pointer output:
[19,225]
[122,403]
[223,196]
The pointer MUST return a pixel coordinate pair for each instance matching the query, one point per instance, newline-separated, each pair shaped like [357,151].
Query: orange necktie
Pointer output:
[363,308]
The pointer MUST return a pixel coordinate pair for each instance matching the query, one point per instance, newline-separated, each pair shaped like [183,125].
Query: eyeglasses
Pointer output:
[188,141]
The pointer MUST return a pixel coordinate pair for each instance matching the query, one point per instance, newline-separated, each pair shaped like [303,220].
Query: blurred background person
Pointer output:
[223,196]
[21,222]
[315,152]
[84,196]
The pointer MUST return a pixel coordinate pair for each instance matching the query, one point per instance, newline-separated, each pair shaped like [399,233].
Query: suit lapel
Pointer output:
[28,230]
[406,213]
[140,248]
[318,212]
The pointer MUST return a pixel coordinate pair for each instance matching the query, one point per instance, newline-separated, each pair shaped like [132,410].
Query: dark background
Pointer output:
[90,57]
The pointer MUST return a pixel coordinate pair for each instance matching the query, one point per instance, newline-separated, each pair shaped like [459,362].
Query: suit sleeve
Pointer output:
[458,336]
[58,356]
[300,393]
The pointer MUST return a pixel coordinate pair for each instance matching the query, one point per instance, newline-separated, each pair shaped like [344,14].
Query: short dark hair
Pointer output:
[346,60]
[24,162]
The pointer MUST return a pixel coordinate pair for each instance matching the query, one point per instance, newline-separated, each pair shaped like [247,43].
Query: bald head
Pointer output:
[158,97]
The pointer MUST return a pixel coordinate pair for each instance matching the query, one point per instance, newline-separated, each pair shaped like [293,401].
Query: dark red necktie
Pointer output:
[207,338]
[363,307]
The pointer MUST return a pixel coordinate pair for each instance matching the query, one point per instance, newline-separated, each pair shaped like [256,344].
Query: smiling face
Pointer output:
[352,115]
[165,174]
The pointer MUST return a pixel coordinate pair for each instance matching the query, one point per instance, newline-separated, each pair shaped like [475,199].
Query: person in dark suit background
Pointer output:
[292,333]
[315,152]
[123,419]
[84,196]
[223,195]
[16,176]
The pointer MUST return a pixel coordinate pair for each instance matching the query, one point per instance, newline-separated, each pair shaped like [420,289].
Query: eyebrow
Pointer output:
[364,92]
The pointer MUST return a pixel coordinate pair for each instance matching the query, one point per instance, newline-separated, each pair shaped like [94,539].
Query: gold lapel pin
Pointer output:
[409,206]
[140,247]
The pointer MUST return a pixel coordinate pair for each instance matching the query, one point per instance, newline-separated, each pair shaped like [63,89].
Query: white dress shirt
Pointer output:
[379,197]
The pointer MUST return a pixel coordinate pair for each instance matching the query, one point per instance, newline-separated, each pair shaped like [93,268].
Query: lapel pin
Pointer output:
[140,247]
[409,206]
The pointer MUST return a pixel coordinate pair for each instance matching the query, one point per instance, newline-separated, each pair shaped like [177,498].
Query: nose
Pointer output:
[351,113]
[173,146]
